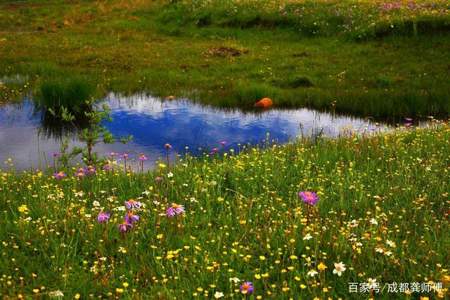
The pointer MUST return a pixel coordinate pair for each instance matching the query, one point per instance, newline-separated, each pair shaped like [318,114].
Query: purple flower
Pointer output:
[125,226]
[103,217]
[133,204]
[174,210]
[56,154]
[124,156]
[247,288]
[80,173]
[310,198]
[142,157]
[90,170]
[214,151]
[131,218]
[223,143]
[107,167]
[59,175]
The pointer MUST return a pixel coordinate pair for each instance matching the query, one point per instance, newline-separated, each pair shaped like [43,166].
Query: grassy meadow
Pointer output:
[311,219]
[381,217]
[368,58]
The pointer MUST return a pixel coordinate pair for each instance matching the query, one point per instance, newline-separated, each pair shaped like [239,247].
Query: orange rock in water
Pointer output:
[264,103]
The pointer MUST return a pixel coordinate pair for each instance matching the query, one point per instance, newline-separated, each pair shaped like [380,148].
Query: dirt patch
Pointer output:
[225,52]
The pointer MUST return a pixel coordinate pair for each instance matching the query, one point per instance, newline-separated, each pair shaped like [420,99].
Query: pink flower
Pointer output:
[90,170]
[80,173]
[131,218]
[107,167]
[60,175]
[174,210]
[247,288]
[125,226]
[310,198]
[142,157]
[214,151]
[133,204]
[103,217]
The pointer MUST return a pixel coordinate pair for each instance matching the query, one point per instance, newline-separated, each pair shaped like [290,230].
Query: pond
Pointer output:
[187,126]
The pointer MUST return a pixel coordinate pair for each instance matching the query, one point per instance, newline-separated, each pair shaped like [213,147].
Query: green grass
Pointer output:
[377,70]
[383,212]
[71,93]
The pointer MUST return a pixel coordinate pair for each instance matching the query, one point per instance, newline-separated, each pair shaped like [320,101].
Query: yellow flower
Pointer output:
[23,209]
[119,290]
[321,267]
[125,284]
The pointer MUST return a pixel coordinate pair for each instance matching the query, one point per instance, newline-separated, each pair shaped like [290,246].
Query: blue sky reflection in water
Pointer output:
[153,122]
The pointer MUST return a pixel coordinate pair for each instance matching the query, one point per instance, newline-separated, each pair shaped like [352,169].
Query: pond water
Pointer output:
[187,126]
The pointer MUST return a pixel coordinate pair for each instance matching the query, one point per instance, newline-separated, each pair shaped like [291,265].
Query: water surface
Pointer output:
[187,126]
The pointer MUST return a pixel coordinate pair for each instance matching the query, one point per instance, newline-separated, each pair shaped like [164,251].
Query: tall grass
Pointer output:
[71,93]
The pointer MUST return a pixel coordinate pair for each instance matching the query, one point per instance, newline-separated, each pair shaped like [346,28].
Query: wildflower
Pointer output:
[218,295]
[373,284]
[56,294]
[132,204]
[391,243]
[235,280]
[307,237]
[23,209]
[90,170]
[55,154]
[223,143]
[174,209]
[321,267]
[168,146]
[310,198]
[339,268]
[107,167]
[124,156]
[131,218]
[158,179]
[80,173]
[124,227]
[60,175]
[312,273]
[247,288]
[214,151]
[103,217]
[142,157]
